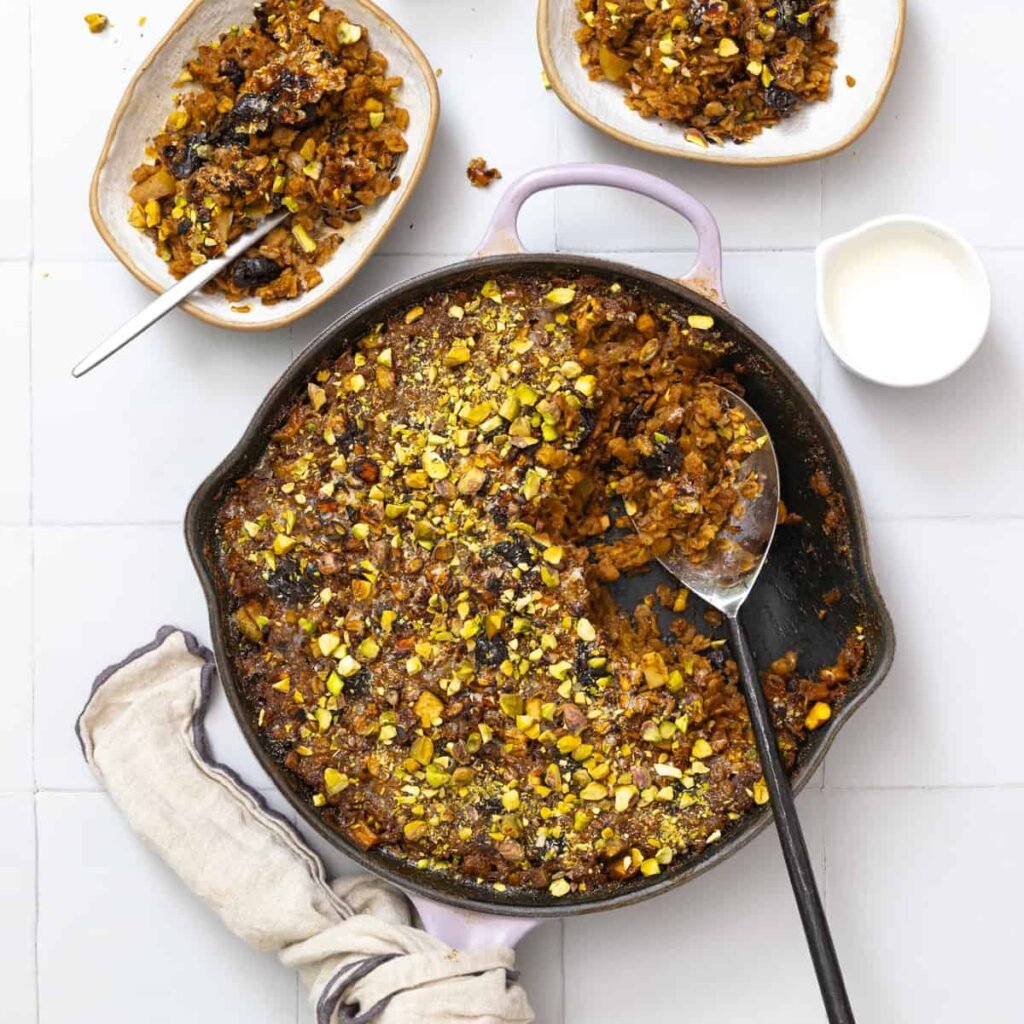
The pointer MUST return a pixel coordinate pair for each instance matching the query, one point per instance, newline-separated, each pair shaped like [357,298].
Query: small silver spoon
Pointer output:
[725,580]
[176,294]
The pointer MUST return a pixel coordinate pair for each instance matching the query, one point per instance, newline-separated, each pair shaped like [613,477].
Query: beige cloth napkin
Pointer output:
[352,941]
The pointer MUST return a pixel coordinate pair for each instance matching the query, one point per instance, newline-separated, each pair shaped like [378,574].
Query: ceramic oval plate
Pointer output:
[869,34]
[146,103]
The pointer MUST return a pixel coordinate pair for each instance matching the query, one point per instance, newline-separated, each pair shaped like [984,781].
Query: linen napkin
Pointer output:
[352,941]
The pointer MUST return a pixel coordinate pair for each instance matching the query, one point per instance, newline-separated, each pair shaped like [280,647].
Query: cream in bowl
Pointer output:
[902,301]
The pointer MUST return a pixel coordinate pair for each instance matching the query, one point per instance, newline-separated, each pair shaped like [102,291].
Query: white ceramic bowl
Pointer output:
[869,34]
[902,301]
[146,104]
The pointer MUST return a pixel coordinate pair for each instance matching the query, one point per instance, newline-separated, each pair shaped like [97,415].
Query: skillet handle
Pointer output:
[469,929]
[705,276]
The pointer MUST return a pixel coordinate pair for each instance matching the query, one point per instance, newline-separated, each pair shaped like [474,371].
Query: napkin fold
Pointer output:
[352,940]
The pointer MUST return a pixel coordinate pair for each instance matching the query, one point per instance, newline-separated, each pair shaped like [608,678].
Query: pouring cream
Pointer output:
[902,301]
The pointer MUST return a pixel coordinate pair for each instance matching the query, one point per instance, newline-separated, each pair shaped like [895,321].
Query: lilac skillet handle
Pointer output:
[466,929]
[705,276]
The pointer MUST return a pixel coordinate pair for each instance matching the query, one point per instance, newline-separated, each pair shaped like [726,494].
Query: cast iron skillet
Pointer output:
[783,611]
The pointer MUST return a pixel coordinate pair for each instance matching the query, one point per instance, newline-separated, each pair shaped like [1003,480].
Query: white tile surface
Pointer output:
[16,643]
[69,123]
[15,480]
[948,449]
[762,208]
[107,955]
[124,583]
[948,715]
[940,147]
[18,903]
[16,237]
[162,413]
[710,950]
[922,884]
[468,39]
[926,903]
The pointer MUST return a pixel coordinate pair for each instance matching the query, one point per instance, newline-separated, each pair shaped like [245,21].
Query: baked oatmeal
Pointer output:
[418,563]
[295,111]
[724,71]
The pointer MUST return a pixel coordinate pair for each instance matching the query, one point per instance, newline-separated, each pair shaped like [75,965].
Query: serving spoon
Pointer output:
[174,296]
[724,580]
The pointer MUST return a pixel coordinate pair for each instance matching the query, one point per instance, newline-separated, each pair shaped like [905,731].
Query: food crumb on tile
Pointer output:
[479,174]
[97,22]
[851,81]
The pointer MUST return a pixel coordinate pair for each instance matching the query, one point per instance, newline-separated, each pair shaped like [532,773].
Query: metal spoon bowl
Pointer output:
[724,579]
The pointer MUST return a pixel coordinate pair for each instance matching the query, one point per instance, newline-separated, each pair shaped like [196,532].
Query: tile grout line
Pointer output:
[35,923]
[31,508]
[456,257]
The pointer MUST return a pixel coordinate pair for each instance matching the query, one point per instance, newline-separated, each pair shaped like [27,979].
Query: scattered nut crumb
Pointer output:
[142,20]
[438,72]
[241,309]
[851,81]
[479,174]
[787,518]
[544,80]
[96,22]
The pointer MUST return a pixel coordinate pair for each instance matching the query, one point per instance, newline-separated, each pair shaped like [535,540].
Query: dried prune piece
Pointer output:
[554,846]
[717,657]
[711,11]
[185,160]
[290,584]
[631,423]
[232,71]
[666,458]
[310,115]
[497,511]
[585,675]
[351,436]
[277,749]
[789,17]
[359,684]
[514,551]
[263,17]
[779,99]
[490,806]
[254,271]
[490,651]
[286,97]
[249,116]
[588,419]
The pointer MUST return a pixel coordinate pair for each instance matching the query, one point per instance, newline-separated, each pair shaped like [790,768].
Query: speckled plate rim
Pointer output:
[713,155]
[502,252]
[416,164]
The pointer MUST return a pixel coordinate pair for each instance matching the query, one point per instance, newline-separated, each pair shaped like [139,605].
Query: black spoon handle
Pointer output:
[794,849]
